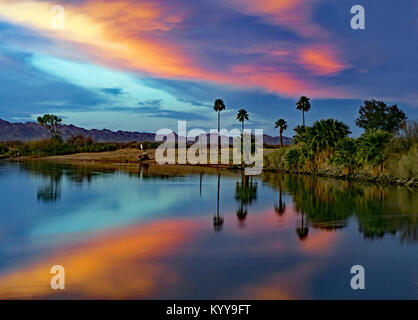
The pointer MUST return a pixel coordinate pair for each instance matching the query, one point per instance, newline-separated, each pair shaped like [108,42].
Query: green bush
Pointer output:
[292,157]
[3,149]
[275,159]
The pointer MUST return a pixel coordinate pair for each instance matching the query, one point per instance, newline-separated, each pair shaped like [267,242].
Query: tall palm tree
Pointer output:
[282,124]
[304,105]
[218,107]
[241,117]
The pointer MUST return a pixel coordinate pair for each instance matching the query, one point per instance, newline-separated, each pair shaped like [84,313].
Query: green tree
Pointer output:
[241,117]
[50,121]
[371,148]
[376,115]
[300,135]
[325,134]
[282,124]
[218,107]
[346,154]
[303,105]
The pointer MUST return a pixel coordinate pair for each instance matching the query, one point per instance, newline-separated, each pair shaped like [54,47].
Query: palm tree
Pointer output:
[325,134]
[304,105]
[241,117]
[282,124]
[371,148]
[218,107]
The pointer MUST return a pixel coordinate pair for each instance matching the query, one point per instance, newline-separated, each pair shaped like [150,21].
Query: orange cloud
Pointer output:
[321,60]
[119,30]
[294,15]
[133,35]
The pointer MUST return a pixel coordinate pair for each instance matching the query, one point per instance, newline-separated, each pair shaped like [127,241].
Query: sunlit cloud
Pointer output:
[322,60]
[294,15]
[137,36]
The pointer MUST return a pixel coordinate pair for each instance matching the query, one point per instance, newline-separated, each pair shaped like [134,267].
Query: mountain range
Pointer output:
[28,131]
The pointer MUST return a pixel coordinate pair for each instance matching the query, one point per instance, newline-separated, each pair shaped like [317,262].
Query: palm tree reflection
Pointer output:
[245,194]
[218,220]
[303,230]
[280,208]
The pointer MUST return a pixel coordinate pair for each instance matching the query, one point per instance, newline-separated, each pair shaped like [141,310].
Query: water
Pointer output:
[150,233]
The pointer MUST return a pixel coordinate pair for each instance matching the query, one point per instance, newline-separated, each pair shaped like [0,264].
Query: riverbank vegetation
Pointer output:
[387,150]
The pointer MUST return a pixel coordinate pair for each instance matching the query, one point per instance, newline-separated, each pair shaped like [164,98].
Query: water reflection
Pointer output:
[147,232]
[328,204]
[245,194]
[281,206]
[218,220]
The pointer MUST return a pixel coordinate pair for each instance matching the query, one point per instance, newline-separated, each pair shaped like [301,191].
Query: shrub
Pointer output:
[275,159]
[292,159]
[371,148]
[3,149]
[405,166]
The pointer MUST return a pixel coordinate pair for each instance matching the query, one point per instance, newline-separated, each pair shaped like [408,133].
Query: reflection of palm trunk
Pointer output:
[217,198]
[201,184]
[217,220]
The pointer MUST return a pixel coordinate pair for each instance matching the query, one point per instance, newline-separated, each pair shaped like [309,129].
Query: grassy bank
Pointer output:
[56,147]
[390,162]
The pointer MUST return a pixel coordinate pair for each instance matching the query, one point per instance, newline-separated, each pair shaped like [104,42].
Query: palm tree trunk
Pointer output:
[281,139]
[219,121]
[219,129]
[303,118]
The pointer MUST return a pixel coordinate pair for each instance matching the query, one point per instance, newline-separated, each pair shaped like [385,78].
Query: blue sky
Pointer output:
[144,65]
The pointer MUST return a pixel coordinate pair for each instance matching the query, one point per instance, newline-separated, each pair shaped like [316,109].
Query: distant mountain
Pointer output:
[10,131]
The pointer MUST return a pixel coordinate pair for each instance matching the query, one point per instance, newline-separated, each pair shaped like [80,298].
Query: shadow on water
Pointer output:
[328,204]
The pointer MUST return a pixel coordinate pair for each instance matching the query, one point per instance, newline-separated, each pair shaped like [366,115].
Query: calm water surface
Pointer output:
[150,233]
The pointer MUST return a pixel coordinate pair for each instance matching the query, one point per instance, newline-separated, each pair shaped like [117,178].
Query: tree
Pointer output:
[241,117]
[376,115]
[371,147]
[300,135]
[346,154]
[50,121]
[303,105]
[325,134]
[282,124]
[218,107]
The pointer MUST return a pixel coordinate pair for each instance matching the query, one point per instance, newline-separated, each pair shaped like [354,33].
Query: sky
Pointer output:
[142,65]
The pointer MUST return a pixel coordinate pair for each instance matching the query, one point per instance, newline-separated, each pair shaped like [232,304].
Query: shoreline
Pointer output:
[125,159]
